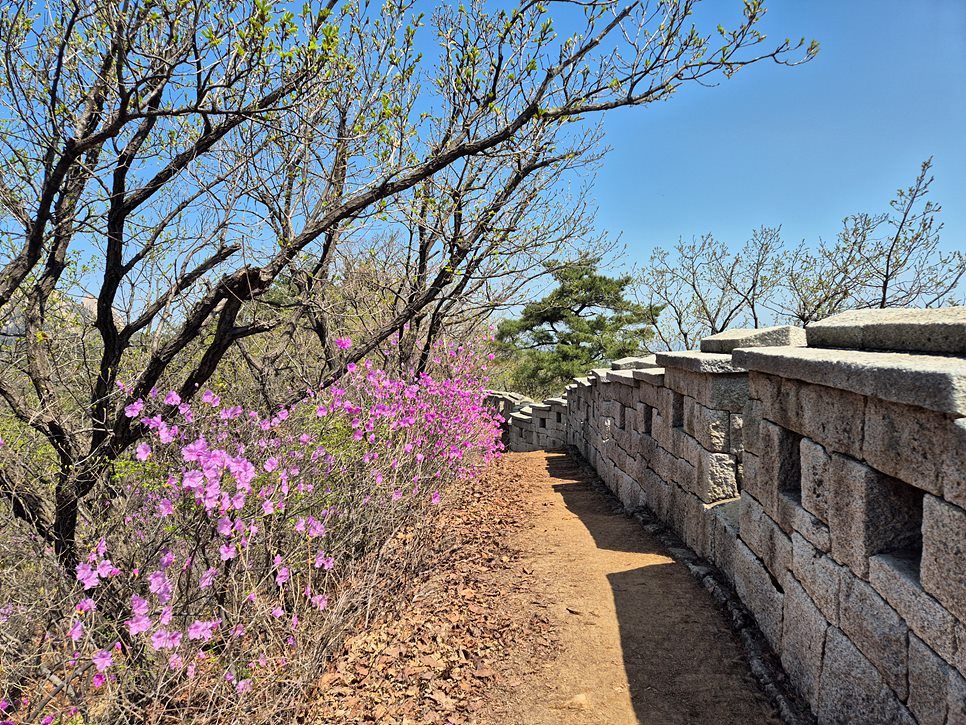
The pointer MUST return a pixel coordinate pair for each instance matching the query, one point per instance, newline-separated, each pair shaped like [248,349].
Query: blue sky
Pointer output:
[800,147]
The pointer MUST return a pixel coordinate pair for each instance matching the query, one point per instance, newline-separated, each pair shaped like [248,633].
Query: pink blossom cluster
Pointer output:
[237,527]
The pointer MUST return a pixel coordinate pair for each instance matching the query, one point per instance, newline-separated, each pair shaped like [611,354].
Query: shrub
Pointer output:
[226,556]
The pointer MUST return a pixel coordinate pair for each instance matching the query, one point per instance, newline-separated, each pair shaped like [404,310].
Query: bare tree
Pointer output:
[702,288]
[178,159]
[878,260]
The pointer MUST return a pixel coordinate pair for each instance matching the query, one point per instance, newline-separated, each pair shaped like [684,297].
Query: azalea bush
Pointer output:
[225,558]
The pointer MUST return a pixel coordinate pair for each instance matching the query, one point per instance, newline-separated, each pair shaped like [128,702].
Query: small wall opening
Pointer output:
[648,420]
[559,418]
[677,410]
[543,422]
[790,464]
[896,517]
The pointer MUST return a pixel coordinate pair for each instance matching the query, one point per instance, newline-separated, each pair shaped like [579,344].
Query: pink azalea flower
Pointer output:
[99,679]
[163,639]
[102,660]
[76,630]
[138,624]
[134,409]
[207,578]
[172,398]
[86,605]
[165,507]
[143,452]
[139,605]
[87,576]
[282,576]
[343,343]
[202,630]
[227,552]
[434,499]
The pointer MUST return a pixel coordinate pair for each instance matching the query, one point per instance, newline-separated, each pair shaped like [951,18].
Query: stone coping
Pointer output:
[941,330]
[654,376]
[699,362]
[625,377]
[927,381]
[634,363]
[725,342]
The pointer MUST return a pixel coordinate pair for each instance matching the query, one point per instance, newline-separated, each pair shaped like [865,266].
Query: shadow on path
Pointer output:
[682,662]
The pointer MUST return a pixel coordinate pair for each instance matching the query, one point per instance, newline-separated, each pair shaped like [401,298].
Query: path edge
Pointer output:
[764,664]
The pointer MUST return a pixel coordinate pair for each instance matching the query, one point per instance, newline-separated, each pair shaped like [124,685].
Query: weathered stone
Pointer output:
[735,435]
[943,569]
[869,513]
[959,638]
[907,443]
[648,391]
[940,330]
[726,536]
[698,362]
[750,422]
[711,428]
[759,593]
[928,381]
[896,578]
[721,391]
[953,474]
[851,690]
[956,702]
[820,575]
[792,517]
[778,466]
[876,629]
[816,478]
[764,537]
[928,684]
[832,418]
[803,640]
[715,477]
[725,342]
[622,377]
[634,363]
[695,524]
[656,492]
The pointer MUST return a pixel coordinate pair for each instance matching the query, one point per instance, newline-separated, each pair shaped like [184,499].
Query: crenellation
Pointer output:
[827,485]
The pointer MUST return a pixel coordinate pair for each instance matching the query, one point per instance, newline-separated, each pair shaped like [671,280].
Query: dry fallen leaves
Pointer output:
[435,656]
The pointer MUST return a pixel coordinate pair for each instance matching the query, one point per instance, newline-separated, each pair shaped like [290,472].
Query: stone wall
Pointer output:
[826,480]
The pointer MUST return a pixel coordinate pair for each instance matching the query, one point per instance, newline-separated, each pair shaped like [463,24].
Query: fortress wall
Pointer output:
[827,482]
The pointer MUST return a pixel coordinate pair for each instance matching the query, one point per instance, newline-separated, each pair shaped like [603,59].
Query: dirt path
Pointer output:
[543,605]
[639,639]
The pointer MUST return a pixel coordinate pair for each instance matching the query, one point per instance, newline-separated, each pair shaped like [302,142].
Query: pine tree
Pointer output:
[585,322]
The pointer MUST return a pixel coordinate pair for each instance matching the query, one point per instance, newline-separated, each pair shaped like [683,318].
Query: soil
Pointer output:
[546,605]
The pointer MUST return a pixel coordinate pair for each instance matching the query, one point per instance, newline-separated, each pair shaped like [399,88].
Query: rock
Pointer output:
[634,363]
[940,330]
[906,443]
[943,569]
[803,640]
[896,578]
[869,513]
[816,468]
[698,362]
[578,702]
[929,679]
[876,629]
[927,381]
[764,537]
[725,342]
[759,593]
[851,690]
[819,575]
